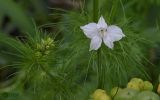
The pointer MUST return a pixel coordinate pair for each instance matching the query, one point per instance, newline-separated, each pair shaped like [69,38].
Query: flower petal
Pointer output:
[102,23]
[108,42]
[114,33]
[90,30]
[95,43]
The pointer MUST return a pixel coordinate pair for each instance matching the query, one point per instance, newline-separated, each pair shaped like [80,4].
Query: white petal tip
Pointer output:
[92,49]
[111,48]
[123,35]
[101,23]
[101,16]
[81,27]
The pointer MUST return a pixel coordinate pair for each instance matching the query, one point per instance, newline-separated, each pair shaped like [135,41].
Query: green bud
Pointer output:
[38,54]
[44,47]
[46,52]
[38,46]
[49,41]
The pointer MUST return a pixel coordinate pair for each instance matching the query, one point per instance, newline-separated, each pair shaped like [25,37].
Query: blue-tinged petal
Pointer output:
[90,30]
[102,23]
[108,42]
[95,43]
[114,33]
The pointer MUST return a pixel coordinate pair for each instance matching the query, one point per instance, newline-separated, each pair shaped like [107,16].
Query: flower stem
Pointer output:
[100,70]
[99,63]
[95,10]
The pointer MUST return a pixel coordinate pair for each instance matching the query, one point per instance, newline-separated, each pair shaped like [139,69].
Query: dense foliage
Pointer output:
[44,55]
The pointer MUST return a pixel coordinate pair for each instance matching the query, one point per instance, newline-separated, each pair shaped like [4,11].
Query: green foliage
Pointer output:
[17,15]
[36,64]
[59,66]
[120,62]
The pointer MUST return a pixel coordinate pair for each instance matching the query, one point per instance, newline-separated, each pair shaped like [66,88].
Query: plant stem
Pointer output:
[48,73]
[100,70]
[99,63]
[95,10]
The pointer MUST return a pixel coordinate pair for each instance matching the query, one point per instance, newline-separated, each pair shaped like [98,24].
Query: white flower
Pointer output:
[102,32]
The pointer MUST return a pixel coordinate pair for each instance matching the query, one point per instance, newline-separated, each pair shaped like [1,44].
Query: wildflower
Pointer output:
[102,32]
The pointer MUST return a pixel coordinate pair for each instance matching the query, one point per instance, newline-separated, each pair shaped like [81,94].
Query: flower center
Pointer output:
[102,32]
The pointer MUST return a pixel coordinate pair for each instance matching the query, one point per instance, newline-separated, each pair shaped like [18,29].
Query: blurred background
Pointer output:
[18,17]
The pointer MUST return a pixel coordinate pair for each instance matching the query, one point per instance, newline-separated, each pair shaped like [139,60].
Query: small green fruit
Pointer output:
[115,91]
[147,95]
[133,85]
[148,86]
[97,93]
[136,80]
[104,97]
[139,83]
[126,94]
[100,94]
